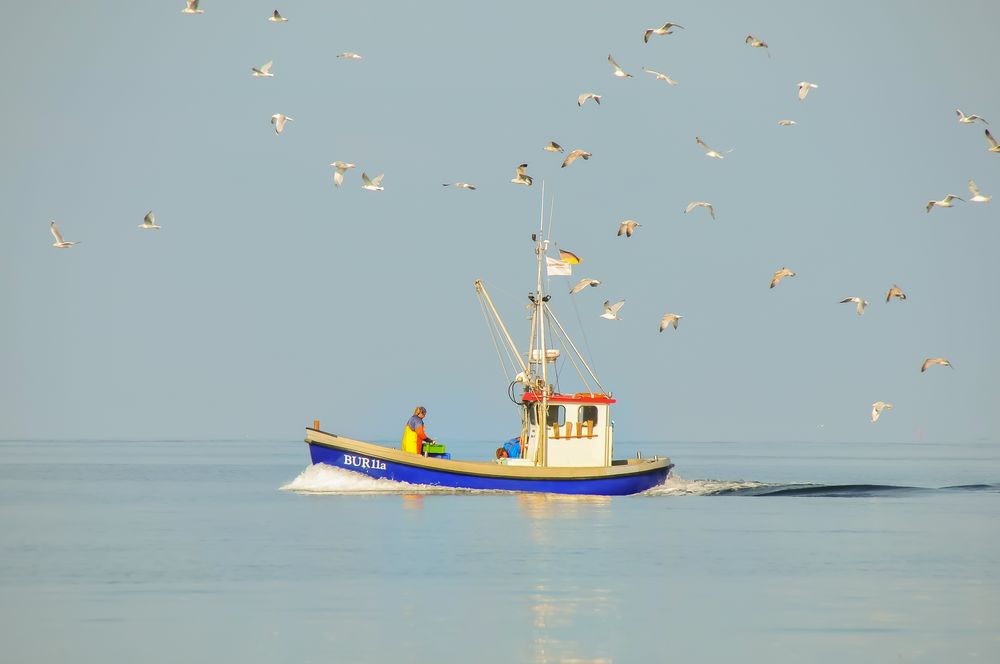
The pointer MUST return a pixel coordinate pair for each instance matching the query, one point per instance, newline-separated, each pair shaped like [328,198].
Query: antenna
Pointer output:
[552,204]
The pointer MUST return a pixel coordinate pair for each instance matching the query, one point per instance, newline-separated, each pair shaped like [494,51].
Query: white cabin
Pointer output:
[579,431]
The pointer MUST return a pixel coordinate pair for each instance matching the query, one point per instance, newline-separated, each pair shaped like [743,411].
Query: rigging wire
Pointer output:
[490,325]
[583,332]
[572,358]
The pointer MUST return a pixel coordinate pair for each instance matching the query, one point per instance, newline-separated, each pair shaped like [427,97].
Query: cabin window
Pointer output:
[586,414]
[556,414]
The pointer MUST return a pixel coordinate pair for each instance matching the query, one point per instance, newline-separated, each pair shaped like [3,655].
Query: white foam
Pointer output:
[322,478]
[678,486]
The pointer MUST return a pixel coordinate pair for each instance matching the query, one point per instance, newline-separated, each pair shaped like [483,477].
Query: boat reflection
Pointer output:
[561,506]
[555,613]
[413,501]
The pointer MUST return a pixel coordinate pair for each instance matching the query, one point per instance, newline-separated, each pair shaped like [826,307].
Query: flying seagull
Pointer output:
[944,202]
[60,243]
[994,146]
[573,156]
[279,120]
[264,71]
[342,167]
[617,70]
[660,77]
[668,320]
[968,119]
[373,184]
[277,18]
[611,310]
[665,30]
[460,185]
[627,227]
[895,292]
[520,177]
[976,196]
[779,275]
[786,123]
[756,43]
[934,360]
[805,87]
[697,204]
[877,409]
[348,55]
[149,222]
[553,147]
[709,152]
[588,95]
[583,283]
[862,303]
[192,8]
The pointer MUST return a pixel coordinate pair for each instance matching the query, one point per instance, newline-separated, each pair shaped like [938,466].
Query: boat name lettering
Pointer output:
[363,462]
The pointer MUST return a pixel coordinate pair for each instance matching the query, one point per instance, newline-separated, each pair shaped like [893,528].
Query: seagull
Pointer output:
[279,120]
[786,123]
[460,185]
[618,70]
[342,167]
[779,275]
[994,146]
[627,227]
[583,283]
[697,204]
[277,18]
[553,147]
[611,310]
[968,119]
[348,55]
[264,71]
[709,152]
[660,77]
[877,409]
[858,301]
[60,243]
[895,292]
[149,222]
[756,43]
[665,30]
[192,8]
[588,95]
[805,87]
[521,177]
[668,320]
[945,202]
[934,360]
[573,156]
[976,196]
[373,184]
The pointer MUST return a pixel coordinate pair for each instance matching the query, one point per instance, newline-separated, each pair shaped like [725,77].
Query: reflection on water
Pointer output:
[558,506]
[561,612]
[413,501]
[566,612]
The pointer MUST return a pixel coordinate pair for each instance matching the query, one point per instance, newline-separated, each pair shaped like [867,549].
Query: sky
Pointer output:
[270,298]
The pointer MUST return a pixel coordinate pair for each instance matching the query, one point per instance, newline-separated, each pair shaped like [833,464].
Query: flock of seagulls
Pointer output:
[628,226]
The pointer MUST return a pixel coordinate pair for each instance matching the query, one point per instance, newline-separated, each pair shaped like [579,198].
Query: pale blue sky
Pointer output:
[270,298]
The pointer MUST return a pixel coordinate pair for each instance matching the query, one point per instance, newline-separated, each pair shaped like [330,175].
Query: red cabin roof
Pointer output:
[579,397]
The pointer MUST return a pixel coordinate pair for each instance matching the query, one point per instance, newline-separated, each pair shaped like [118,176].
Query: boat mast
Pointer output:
[540,251]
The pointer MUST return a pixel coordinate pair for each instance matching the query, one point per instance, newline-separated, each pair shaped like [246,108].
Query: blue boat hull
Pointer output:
[378,466]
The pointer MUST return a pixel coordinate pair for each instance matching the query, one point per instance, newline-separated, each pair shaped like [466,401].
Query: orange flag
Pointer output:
[569,257]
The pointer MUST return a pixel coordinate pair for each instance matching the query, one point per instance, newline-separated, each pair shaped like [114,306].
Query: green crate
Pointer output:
[433,449]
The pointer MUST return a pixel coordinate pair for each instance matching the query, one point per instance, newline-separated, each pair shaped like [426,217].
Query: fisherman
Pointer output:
[414,435]
[510,449]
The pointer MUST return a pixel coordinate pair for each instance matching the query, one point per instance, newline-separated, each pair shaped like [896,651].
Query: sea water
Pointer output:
[239,551]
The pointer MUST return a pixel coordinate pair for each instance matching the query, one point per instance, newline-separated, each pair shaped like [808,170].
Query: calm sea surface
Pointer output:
[222,551]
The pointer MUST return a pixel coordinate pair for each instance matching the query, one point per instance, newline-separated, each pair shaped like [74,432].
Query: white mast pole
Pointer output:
[540,249]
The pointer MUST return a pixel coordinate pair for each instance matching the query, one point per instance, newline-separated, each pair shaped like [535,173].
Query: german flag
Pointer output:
[569,257]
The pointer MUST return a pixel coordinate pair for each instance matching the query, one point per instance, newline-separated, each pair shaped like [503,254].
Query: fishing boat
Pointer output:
[566,444]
